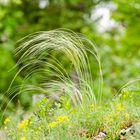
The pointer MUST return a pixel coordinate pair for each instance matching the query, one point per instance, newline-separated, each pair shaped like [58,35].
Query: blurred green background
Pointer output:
[113,25]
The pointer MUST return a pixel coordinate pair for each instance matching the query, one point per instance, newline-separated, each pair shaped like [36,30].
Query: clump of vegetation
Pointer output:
[73,107]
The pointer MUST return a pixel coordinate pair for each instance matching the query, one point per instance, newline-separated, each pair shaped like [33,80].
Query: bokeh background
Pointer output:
[113,26]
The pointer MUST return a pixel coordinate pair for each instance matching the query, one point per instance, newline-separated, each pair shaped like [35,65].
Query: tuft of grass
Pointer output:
[65,121]
[40,54]
[72,107]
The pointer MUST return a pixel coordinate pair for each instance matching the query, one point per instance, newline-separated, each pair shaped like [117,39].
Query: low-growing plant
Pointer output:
[73,106]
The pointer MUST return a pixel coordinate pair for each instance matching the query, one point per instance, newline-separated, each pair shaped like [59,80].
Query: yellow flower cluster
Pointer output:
[62,119]
[7,120]
[126,93]
[119,107]
[53,124]
[126,115]
[23,138]
[23,124]
[59,120]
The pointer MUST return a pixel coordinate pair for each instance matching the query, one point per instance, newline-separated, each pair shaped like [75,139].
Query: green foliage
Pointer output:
[34,50]
[118,48]
[77,107]
[76,122]
[27,17]
[18,18]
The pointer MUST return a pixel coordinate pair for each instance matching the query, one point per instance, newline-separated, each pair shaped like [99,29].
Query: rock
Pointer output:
[3,135]
[124,132]
[100,136]
[36,98]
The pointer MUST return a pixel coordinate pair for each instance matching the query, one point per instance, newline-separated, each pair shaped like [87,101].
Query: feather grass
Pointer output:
[35,48]
[38,54]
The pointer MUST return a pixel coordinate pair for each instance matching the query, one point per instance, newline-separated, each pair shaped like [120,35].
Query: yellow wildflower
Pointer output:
[126,93]
[119,107]
[53,124]
[23,138]
[62,119]
[59,120]
[23,124]
[126,115]
[7,120]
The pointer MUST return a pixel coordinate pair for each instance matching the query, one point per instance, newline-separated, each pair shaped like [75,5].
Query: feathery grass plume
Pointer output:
[131,89]
[41,54]
[133,85]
